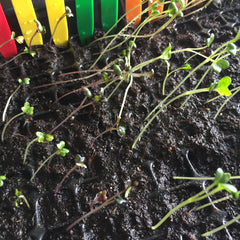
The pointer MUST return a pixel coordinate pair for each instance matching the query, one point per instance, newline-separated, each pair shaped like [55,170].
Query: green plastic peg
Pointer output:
[109,14]
[85,19]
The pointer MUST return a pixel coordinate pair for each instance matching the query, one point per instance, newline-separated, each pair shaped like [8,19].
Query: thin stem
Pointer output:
[124,99]
[221,227]
[106,203]
[27,148]
[72,113]
[199,196]
[64,178]
[5,127]
[50,157]
[8,102]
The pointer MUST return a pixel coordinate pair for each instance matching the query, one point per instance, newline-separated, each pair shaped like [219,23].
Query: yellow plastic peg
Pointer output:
[26,15]
[58,27]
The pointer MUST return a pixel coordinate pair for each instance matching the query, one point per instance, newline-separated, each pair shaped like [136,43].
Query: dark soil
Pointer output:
[176,139]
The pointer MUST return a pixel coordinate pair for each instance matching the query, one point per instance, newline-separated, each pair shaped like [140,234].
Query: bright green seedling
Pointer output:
[19,199]
[21,82]
[41,137]
[2,178]
[61,150]
[26,109]
[79,162]
[220,183]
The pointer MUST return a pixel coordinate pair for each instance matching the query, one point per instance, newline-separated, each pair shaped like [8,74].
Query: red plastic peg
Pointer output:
[9,49]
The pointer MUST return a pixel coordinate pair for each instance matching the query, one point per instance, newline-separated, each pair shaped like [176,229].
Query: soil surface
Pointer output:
[184,141]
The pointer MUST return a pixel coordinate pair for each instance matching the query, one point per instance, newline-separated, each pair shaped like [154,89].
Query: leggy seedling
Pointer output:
[26,109]
[220,183]
[20,197]
[79,162]
[60,151]
[21,82]
[41,137]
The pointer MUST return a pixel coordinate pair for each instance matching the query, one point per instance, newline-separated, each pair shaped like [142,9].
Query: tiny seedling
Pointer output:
[105,202]
[26,109]
[19,39]
[79,162]
[19,199]
[100,197]
[68,13]
[61,150]
[21,82]
[2,178]
[220,183]
[41,137]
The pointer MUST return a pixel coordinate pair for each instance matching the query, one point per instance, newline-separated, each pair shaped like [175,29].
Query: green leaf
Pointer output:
[132,44]
[222,87]
[218,175]
[117,70]
[172,9]
[231,189]
[40,136]
[49,137]
[232,49]
[61,145]
[186,66]
[167,53]
[220,65]
[210,40]
[87,91]
[122,130]
[27,109]
[105,77]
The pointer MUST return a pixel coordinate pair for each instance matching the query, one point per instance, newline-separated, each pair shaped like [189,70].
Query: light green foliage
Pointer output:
[2,178]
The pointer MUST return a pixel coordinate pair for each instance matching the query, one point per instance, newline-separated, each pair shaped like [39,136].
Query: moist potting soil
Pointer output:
[185,141]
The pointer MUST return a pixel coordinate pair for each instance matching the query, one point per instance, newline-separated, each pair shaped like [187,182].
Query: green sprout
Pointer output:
[21,82]
[2,178]
[61,150]
[20,197]
[26,109]
[41,137]
[220,183]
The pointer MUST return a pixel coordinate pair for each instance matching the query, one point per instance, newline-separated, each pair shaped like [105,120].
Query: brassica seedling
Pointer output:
[20,196]
[41,137]
[61,150]
[21,82]
[220,183]
[26,109]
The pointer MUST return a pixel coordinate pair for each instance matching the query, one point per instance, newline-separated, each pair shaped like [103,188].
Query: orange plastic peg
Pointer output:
[133,9]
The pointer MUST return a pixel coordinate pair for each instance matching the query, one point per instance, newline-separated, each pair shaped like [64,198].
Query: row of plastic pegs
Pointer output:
[26,13]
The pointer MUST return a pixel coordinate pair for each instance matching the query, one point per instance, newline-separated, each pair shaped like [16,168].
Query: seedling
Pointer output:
[100,197]
[41,137]
[40,29]
[61,150]
[19,39]
[19,199]
[220,183]
[67,13]
[106,202]
[120,129]
[2,178]
[21,82]
[26,109]
[79,162]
